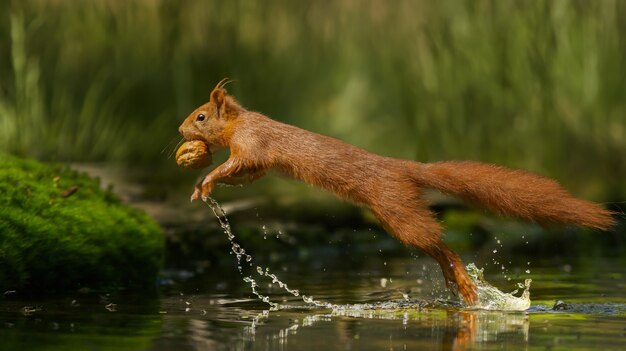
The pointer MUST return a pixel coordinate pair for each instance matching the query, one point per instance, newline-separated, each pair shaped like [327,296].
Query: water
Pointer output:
[351,301]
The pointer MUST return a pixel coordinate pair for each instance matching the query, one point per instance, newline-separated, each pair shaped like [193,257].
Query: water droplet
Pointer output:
[239,251]
[494,251]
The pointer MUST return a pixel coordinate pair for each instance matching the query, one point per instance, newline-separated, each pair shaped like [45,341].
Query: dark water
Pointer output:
[215,310]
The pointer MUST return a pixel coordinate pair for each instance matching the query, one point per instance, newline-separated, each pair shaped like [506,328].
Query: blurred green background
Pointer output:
[102,85]
[539,85]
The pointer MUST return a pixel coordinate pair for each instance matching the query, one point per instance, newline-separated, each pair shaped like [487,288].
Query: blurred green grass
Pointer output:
[532,84]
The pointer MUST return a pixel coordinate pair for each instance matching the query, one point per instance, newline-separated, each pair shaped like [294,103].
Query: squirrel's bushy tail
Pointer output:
[513,193]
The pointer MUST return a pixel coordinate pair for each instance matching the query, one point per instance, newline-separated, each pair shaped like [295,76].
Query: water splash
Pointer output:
[240,253]
[490,298]
[235,248]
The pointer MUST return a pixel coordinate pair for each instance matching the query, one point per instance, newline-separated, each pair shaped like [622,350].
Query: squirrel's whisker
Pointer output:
[173,151]
[168,145]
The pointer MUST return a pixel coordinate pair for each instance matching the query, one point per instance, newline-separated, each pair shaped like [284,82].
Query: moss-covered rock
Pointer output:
[60,231]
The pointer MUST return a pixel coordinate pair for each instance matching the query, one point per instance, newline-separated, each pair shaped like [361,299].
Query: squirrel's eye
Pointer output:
[200,117]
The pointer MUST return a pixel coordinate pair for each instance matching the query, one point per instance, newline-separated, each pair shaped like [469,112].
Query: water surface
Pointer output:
[216,310]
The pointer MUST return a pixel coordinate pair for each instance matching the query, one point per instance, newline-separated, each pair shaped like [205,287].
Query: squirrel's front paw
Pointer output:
[203,190]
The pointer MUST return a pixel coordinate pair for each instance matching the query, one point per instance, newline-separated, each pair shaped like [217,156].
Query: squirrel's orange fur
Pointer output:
[391,188]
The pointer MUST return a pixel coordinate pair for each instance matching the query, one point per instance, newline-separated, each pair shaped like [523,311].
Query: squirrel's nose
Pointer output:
[180,130]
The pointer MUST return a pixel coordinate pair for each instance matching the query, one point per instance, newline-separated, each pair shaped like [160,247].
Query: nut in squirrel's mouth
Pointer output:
[212,148]
[194,154]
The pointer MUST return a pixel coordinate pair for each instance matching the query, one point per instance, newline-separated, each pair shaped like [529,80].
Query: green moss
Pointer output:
[50,241]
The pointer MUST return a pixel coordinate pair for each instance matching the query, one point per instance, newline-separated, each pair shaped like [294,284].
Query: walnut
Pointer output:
[193,154]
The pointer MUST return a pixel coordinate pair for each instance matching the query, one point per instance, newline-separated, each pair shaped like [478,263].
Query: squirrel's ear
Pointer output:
[217,98]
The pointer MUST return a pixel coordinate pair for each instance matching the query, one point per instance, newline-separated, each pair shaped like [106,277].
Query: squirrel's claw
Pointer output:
[205,191]
[196,194]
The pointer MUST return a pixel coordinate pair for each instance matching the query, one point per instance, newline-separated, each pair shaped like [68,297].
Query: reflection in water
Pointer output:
[451,329]
[470,327]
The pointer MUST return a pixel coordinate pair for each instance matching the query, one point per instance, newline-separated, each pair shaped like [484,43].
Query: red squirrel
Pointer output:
[391,188]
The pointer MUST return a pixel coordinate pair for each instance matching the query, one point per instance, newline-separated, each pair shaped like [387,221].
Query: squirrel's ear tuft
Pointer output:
[222,83]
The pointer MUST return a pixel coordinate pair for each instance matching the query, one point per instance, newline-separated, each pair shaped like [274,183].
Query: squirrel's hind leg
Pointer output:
[454,272]
[417,227]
